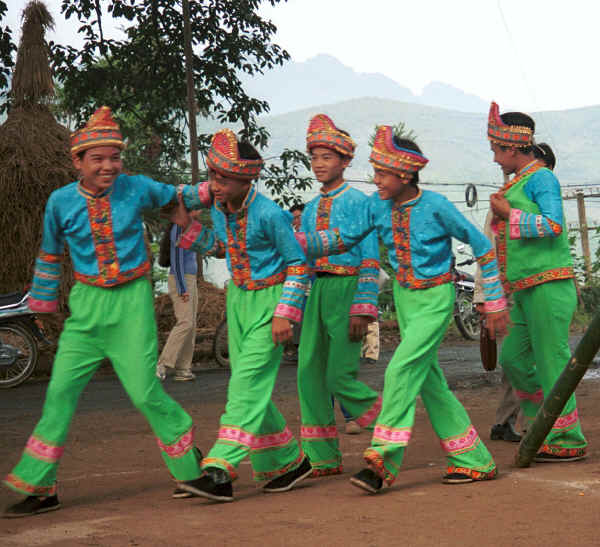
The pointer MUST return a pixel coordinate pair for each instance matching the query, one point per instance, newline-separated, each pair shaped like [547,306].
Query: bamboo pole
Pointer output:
[585,242]
[560,393]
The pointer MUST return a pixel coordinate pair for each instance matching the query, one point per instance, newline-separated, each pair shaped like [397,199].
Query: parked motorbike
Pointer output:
[466,316]
[20,337]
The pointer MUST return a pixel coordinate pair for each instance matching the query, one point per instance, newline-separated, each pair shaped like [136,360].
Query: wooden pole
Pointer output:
[191,97]
[560,393]
[585,242]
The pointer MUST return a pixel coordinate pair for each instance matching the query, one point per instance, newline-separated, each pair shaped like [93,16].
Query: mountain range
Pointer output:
[325,80]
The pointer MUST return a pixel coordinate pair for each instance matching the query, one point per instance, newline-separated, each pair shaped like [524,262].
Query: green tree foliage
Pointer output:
[7,49]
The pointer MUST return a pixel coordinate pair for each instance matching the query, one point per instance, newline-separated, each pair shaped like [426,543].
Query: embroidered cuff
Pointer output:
[197,196]
[289,312]
[369,310]
[514,222]
[491,306]
[42,306]
[191,234]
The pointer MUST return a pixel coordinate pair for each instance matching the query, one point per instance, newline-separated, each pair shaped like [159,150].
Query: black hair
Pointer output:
[542,151]
[408,144]
[522,119]
[247,151]
[297,207]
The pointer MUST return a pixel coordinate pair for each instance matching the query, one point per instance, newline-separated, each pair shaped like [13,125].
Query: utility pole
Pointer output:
[191,95]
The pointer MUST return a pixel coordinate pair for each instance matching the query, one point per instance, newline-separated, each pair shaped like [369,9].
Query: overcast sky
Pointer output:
[528,55]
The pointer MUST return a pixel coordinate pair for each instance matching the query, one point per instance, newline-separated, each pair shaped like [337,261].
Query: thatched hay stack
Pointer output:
[34,156]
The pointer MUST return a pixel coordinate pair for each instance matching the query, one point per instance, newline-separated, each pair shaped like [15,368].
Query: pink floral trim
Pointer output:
[515,223]
[461,443]
[43,451]
[190,235]
[19,485]
[301,238]
[288,312]
[255,442]
[370,415]
[42,306]
[491,306]
[179,448]
[204,194]
[568,420]
[399,436]
[536,397]
[315,432]
[364,309]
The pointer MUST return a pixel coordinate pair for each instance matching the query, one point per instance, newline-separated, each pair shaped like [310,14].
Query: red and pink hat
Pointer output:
[224,157]
[386,155]
[323,132]
[507,135]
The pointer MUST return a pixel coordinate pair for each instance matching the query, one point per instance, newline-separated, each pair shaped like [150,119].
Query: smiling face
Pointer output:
[99,167]
[328,166]
[392,186]
[228,189]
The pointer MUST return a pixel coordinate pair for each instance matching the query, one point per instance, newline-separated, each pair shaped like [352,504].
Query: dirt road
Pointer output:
[115,490]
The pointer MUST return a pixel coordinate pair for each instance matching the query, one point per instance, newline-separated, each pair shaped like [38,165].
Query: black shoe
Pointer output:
[288,480]
[368,480]
[32,505]
[505,432]
[179,493]
[457,478]
[214,484]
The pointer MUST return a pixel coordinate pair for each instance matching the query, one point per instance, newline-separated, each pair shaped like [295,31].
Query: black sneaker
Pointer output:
[32,505]
[504,432]
[288,480]
[214,484]
[368,480]
[179,493]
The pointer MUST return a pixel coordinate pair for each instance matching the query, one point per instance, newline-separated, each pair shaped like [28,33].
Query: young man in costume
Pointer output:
[417,227]
[536,268]
[269,279]
[341,304]
[112,310]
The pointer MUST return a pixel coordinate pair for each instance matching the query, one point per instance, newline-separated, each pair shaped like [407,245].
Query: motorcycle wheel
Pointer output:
[18,354]
[466,316]
[220,345]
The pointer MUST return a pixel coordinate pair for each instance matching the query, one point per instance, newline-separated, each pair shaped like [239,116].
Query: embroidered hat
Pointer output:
[507,135]
[224,157]
[388,156]
[100,130]
[323,132]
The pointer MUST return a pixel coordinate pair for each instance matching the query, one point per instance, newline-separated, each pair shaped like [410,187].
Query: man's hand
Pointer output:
[497,323]
[181,215]
[500,205]
[185,297]
[281,329]
[358,327]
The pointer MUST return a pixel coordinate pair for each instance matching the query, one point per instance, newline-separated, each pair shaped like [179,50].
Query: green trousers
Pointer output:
[423,317]
[535,353]
[328,364]
[251,425]
[117,324]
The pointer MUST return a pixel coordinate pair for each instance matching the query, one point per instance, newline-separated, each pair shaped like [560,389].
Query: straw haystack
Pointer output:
[34,154]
